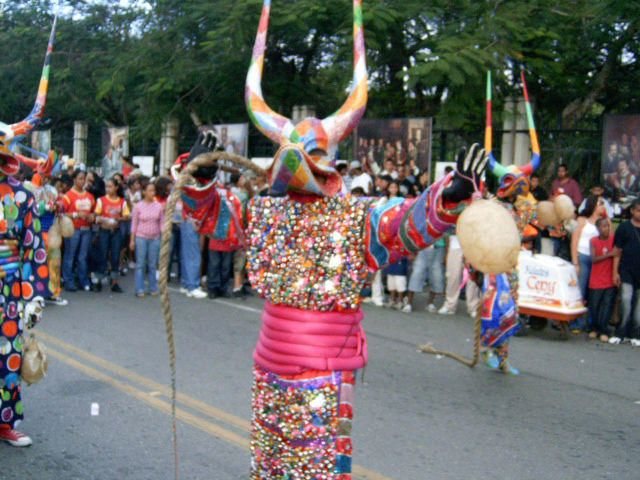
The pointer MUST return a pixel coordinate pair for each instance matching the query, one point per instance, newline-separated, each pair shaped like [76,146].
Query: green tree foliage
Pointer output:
[137,64]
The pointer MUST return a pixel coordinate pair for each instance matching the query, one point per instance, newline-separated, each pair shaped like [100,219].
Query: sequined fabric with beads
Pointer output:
[308,255]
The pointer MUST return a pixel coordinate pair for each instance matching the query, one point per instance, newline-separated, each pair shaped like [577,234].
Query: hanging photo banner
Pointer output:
[233,137]
[115,145]
[621,156]
[400,140]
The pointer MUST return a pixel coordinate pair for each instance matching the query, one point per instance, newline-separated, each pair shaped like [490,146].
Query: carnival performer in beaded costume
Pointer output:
[23,265]
[308,256]
[500,292]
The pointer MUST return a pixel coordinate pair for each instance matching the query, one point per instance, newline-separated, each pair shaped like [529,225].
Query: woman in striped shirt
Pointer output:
[146,229]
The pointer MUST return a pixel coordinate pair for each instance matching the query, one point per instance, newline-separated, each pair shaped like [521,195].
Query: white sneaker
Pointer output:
[635,342]
[184,290]
[615,340]
[57,301]
[378,303]
[197,293]
[432,308]
[15,438]
[445,311]
[407,308]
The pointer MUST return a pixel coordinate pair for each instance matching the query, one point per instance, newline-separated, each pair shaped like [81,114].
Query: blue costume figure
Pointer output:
[499,301]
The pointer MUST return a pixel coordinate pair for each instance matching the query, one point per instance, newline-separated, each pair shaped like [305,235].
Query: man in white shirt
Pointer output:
[360,178]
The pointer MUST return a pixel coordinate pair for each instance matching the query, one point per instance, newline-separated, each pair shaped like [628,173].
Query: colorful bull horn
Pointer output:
[495,166]
[530,167]
[273,125]
[278,127]
[340,124]
[34,118]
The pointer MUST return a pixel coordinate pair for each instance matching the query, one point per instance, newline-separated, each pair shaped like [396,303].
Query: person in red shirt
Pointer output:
[602,291]
[110,210]
[78,204]
[567,185]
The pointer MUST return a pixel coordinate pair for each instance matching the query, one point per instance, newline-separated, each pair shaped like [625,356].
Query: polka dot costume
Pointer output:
[23,276]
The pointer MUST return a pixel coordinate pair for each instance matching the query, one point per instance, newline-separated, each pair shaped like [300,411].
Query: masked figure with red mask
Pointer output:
[309,249]
[23,262]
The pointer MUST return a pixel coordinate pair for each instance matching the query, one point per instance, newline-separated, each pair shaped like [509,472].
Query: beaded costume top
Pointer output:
[308,255]
[315,255]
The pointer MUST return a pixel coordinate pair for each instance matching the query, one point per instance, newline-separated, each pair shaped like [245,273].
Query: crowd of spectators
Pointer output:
[610,289]
[118,224]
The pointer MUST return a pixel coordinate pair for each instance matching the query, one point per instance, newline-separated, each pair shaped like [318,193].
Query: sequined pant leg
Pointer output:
[301,427]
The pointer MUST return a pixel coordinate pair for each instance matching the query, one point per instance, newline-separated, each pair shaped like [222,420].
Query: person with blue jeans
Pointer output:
[76,248]
[146,230]
[78,204]
[429,263]
[175,247]
[626,275]
[190,261]
[581,254]
[111,209]
[219,272]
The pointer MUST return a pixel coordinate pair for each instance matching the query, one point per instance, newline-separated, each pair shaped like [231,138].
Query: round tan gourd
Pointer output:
[564,207]
[546,213]
[489,237]
[54,238]
[66,226]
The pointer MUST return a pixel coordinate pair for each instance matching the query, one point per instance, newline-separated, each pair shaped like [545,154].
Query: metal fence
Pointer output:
[580,150]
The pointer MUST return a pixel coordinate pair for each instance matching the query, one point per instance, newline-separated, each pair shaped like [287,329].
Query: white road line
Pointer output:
[227,303]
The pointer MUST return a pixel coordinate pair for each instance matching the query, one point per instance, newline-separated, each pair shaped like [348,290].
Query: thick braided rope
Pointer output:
[207,159]
[428,348]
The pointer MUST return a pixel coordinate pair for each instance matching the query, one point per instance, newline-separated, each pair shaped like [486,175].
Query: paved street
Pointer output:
[573,413]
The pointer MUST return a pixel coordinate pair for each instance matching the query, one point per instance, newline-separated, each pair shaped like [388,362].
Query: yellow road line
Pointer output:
[152,385]
[150,398]
[193,420]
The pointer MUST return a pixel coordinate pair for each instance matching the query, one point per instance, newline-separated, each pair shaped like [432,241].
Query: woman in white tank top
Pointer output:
[581,251]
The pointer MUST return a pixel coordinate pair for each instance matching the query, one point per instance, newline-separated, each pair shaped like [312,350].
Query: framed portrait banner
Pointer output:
[621,156]
[400,140]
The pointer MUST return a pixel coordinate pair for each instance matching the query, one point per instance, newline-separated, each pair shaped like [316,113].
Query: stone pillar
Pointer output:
[169,143]
[300,112]
[80,135]
[516,145]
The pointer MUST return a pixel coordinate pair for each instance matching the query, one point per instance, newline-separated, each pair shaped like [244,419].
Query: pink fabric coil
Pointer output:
[293,340]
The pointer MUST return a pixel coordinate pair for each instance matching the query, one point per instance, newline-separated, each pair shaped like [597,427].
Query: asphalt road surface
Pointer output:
[573,413]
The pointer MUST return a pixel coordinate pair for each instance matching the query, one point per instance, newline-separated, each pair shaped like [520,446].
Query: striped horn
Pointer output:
[530,167]
[340,124]
[273,125]
[495,166]
[35,117]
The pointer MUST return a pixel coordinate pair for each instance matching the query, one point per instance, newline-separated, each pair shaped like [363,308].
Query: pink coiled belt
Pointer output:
[294,340]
